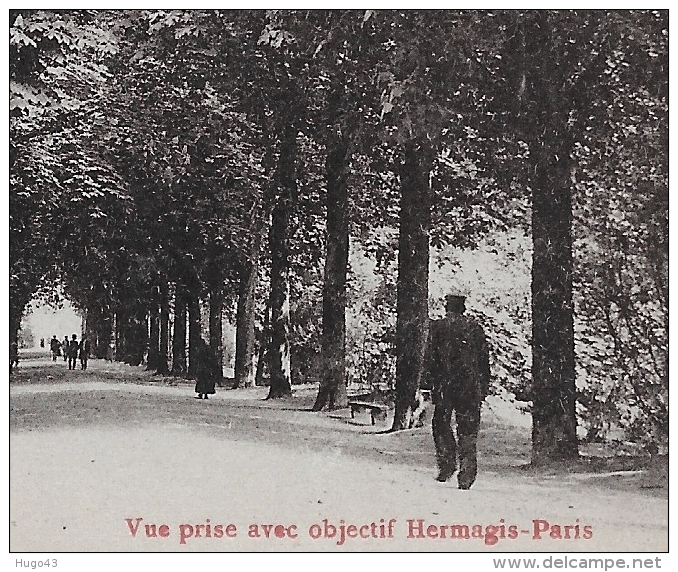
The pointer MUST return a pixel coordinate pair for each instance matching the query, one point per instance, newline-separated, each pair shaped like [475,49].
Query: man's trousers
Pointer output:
[464,444]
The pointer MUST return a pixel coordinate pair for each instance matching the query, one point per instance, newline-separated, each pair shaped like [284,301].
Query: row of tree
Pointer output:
[167,162]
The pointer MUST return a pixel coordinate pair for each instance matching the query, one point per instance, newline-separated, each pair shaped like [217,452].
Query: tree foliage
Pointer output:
[158,156]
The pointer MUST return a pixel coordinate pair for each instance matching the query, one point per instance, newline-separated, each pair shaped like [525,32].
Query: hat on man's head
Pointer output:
[455,301]
[455,298]
[457,295]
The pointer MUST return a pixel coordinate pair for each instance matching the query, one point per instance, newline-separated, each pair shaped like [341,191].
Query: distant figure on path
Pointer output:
[73,352]
[205,380]
[64,347]
[84,352]
[54,348]
[459,371]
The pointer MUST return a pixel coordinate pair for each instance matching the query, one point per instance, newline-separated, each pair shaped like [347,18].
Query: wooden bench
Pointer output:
[361,397]
[377,410]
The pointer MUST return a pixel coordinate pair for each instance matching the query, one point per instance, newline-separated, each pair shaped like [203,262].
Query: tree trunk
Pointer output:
[154,332]
[279,299]
[138,331]
[119,335]
[98,328]
[104,331]
[216,343]
[412,296]
[14,324]
[163,357]
[20,295]
[244,331]
[122,335]
[132,335]
[179,335]
[261,361]
[332,391]
[263,336]
[14,327]
[554,424]
[194,333]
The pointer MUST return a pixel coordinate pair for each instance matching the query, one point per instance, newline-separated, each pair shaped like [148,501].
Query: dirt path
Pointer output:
[92,452]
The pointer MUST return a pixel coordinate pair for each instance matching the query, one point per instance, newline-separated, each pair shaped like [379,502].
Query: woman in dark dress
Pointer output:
[205,380]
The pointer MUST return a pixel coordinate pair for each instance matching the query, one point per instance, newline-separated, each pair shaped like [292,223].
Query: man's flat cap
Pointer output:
[455,298]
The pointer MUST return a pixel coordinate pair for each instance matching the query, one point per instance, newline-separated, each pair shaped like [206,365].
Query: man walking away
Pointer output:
[73,352]
[84,352]
[64,347]
[54,347]
[459,372]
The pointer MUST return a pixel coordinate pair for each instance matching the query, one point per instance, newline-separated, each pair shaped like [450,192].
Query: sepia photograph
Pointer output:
[339,281]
